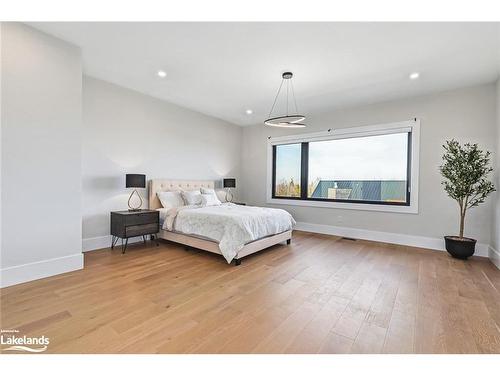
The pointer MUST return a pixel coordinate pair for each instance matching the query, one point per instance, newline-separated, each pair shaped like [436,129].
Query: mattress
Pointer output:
[230,225]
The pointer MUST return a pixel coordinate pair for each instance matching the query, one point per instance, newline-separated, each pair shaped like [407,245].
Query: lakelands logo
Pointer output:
[23,343]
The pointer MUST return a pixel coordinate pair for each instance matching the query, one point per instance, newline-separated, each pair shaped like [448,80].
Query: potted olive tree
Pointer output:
[465,169]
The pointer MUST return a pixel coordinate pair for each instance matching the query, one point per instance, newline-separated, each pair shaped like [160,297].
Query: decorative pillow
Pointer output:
[170,199]
[210,200]
[192,197]
[205,191]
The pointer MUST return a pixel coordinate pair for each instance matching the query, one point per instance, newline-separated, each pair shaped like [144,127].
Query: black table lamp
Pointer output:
[229,183]
[135,181]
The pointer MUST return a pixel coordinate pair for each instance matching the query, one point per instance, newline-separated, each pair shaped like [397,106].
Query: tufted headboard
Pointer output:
[157,185]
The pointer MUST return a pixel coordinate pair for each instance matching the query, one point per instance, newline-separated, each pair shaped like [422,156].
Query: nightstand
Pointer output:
[127,224]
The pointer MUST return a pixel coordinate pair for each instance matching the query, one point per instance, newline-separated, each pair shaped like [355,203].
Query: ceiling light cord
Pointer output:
[294,100]
[276,98]
[287,89]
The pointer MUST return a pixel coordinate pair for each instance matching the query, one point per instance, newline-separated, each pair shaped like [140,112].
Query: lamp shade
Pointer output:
[229,182]
[135,181]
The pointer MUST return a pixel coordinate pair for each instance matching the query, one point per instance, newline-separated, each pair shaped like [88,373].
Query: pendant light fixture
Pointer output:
[288,120]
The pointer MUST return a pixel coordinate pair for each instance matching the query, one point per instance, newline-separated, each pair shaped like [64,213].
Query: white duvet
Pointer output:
[231,225]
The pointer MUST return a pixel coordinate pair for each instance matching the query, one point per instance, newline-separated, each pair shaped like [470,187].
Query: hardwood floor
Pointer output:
[321,294]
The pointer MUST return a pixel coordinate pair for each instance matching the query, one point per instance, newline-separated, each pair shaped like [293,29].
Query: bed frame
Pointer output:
[157,185]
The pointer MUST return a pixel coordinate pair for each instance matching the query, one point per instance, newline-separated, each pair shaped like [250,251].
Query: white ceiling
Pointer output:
[222,69]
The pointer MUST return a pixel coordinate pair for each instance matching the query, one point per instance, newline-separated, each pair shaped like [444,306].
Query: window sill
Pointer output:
[412,209]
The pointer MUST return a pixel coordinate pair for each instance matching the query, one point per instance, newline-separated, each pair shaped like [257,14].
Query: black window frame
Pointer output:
[304,178]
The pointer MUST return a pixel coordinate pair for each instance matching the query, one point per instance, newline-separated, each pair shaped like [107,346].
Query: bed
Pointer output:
[233,231]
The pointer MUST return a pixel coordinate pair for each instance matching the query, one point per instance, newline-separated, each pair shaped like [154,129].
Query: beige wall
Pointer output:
[467,114]
[41,154]
[495,234]
[128,132]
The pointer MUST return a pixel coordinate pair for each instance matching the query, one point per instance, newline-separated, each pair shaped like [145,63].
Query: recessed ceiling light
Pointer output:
[162,73]
[248,111]
[414,75]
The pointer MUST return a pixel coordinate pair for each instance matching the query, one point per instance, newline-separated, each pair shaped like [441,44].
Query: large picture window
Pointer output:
[287,160]
[370,166]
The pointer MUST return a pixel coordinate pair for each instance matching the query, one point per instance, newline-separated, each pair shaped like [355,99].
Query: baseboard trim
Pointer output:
[494,256]
[102,242]
[388,237]
[39,270]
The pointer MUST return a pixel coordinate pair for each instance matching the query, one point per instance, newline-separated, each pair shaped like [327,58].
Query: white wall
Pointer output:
[467,114]
[41,155]
[495,234]
[128,132]
[1,121]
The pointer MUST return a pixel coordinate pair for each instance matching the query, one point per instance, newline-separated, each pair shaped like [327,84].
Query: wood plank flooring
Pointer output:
[321,294]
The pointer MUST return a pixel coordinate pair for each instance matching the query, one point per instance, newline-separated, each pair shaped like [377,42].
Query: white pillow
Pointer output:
[205,191]
[192,197]
[170,199]
[210,200]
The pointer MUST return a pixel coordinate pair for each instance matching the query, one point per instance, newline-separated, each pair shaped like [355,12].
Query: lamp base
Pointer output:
[132,208]
[229,195]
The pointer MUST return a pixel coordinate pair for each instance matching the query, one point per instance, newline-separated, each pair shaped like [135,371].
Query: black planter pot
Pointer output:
[460,248]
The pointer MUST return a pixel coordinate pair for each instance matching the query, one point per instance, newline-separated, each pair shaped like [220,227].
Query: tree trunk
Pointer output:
[462,221]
